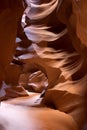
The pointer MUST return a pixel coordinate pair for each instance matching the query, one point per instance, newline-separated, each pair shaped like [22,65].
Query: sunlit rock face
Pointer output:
[35,118]
[48,64]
